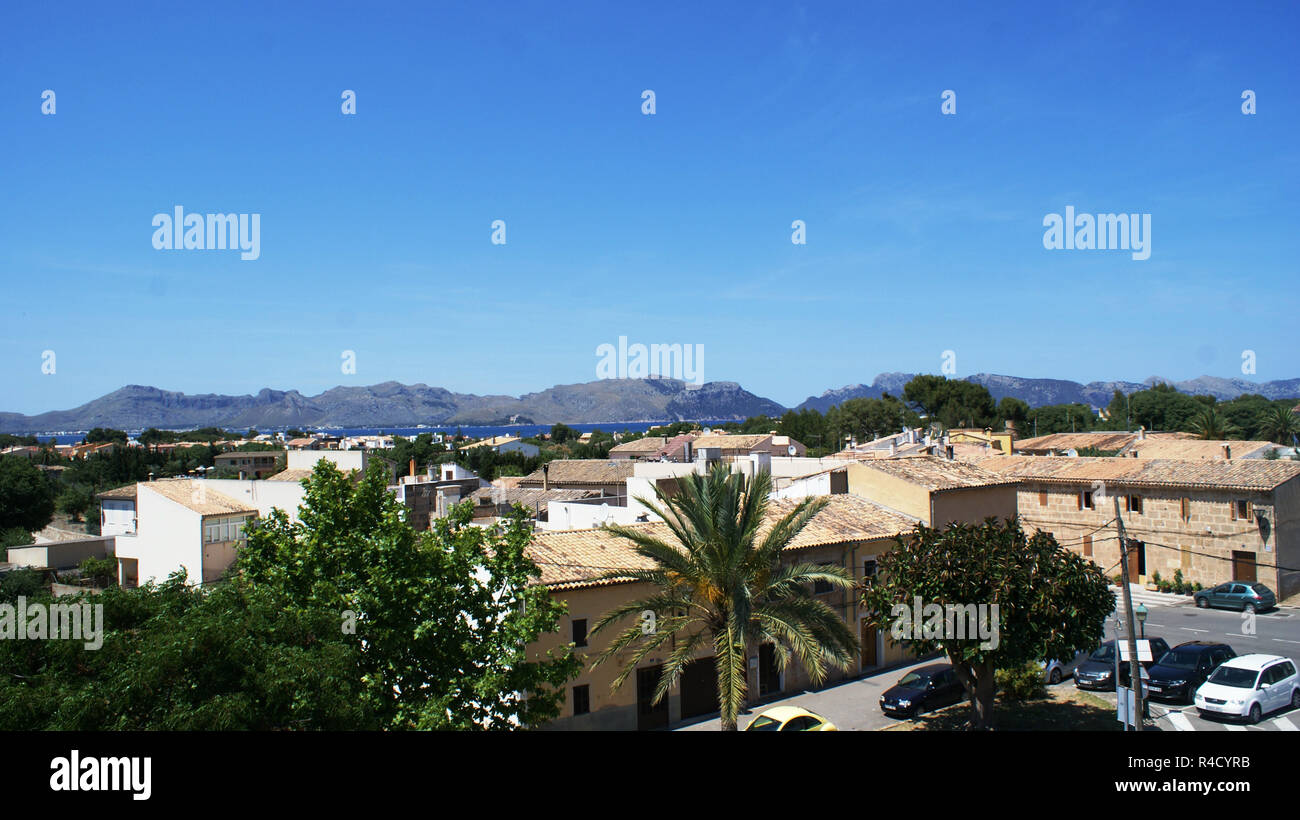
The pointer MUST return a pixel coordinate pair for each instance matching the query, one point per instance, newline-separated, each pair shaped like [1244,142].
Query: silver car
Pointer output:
[1055,671]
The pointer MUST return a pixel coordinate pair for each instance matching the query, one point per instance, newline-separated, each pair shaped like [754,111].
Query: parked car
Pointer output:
[1097,671]
[1055,671]
[1181,670]
[1249,687]
[1240,595]
[789,719]
[922,689]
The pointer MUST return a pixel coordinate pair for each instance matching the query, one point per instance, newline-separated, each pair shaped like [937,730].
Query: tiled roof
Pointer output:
[574,558]
[529,497]
[294,474]
[197,496]
[495,441]
[935,473]
[1112,440]
[1237,474]
[1193,449]
[124,492]
[581,471]
[731,442]
[649,444]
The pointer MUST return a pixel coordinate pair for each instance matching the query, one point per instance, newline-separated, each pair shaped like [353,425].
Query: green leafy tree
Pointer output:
[439,620]
[561,433]
[76,500]
[181,658]
[15,537]
[26,499]
[1051,602]
[720,585]
[1162,407]
[105,434]
[1209,424]
[1013,409]
[951,402]
[1277,423]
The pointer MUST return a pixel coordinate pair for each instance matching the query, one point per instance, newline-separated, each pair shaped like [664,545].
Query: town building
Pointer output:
[849,532]
[1213,520]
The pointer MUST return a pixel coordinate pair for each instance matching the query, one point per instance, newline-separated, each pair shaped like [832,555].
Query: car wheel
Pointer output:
[1255,714]
[1295,699]
[1055,677]
[1202,603]
[1249,608]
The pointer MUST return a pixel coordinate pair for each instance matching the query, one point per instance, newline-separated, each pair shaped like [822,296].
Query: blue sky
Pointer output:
[924,231]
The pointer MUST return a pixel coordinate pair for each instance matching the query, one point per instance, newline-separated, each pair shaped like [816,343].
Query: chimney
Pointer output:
[412,468]
[546,476]
[1227,450]
[1142,434]
[893,448]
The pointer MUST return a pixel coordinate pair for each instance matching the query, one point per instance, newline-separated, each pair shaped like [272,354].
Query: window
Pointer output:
[1042,498]
[869,572]
[822,587]
[580,632]
[581,699]
[1186,510]
[1240,510]
[1087,546]
[1134,503]
[1085,500]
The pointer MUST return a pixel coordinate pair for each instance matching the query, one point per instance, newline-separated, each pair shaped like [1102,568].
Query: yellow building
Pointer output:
[850,532]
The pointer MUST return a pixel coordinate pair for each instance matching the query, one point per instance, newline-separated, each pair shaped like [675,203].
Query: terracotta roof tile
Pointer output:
[581,471]
[570,559]
[197,496]
[936,474]
[1243,474]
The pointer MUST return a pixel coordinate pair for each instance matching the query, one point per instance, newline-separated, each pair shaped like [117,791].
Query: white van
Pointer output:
[1250,686]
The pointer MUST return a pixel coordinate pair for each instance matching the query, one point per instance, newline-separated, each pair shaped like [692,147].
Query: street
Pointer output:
[855,705]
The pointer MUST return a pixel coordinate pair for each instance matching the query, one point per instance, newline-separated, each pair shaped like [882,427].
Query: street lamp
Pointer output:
[1140,612]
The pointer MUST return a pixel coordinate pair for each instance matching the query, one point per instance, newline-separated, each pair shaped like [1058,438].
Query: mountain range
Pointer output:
[392,404]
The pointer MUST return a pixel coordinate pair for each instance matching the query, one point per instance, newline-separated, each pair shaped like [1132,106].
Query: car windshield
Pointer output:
[763,723]
[1180,659]
[1105,652]
[1232,676]
[913,681]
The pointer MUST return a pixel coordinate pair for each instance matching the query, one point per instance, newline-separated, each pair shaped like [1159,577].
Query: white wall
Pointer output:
[168,537]
[819,484]
[574,515]
[263,495]
[345,460]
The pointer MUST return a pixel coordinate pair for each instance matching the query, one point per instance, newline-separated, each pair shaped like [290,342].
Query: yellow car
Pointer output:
[789,719]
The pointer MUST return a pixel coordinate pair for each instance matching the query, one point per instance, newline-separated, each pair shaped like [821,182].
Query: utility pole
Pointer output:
[1135,668]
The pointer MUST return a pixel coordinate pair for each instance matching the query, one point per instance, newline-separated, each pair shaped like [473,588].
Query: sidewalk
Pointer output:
[1144,596]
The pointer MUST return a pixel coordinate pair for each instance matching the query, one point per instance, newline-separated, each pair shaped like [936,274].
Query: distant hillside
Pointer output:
[1039,392]
[394,404]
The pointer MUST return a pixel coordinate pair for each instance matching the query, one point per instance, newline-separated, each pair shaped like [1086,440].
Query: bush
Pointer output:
[1020,684]
[25,582]
[101,572]
[15,537]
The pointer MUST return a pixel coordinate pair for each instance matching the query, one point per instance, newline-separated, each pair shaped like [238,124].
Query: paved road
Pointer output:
[855,705]
[1274,633]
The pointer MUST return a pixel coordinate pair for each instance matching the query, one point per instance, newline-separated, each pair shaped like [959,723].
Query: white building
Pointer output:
[182,524]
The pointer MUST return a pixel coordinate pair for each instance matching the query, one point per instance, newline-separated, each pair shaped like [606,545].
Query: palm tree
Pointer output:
[1208,424]
[1279,424]
[720,582]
